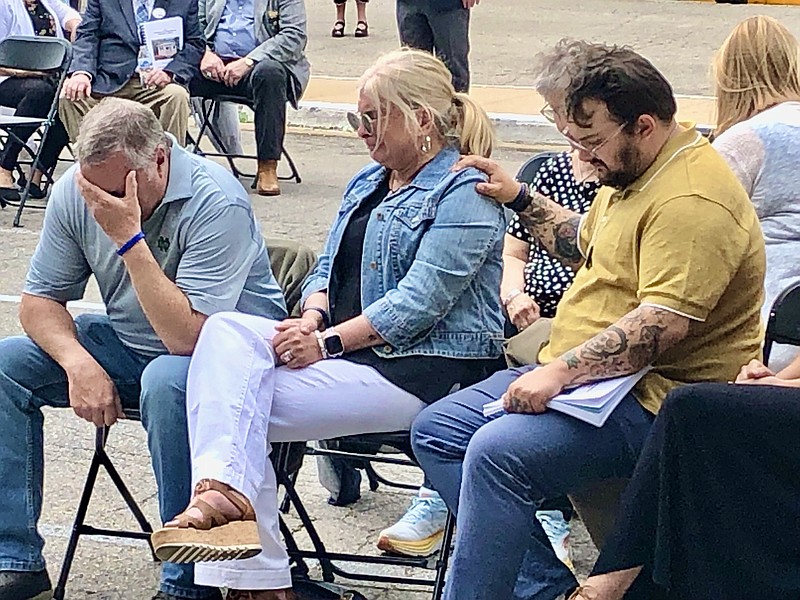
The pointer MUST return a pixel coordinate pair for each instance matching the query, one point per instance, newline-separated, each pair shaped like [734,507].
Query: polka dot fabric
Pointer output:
[546,279]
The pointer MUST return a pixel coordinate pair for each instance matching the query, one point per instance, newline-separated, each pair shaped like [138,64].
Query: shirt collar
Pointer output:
[686,137]
[431,174]
[179,183]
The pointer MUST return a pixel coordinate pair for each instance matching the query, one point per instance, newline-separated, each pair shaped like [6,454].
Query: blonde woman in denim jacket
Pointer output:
[402,307]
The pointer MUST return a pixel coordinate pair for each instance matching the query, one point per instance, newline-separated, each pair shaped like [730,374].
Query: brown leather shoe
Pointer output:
[267,181]
[285,594]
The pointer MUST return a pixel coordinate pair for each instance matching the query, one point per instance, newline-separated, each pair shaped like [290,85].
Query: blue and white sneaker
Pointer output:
[419,532]
[557,529]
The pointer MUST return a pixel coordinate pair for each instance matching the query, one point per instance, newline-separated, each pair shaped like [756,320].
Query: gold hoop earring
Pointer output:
[426,144]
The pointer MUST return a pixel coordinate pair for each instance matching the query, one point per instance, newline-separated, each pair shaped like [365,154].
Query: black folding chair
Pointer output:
[283,254]
[783,325]
[28,53]
[533,165]
[287,463]
[208,106]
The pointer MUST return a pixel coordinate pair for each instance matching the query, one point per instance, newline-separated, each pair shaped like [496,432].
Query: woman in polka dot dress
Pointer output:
[534,281]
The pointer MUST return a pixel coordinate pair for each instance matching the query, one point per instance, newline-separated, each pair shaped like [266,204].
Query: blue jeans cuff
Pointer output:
[27,566]
[193,593]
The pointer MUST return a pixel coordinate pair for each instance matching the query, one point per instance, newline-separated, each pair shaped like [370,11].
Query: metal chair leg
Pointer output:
[444,556]
[80,516]
[319,547]
[295,173]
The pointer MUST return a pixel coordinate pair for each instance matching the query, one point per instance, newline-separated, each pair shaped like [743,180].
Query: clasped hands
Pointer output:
[757,373]
[212,67]
[296,343]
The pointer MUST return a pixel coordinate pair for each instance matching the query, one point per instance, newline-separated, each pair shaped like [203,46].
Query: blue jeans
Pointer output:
[30,379]
[494,471]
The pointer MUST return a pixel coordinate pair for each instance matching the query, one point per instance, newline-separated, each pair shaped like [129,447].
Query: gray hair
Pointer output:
[118,125]
[554,69]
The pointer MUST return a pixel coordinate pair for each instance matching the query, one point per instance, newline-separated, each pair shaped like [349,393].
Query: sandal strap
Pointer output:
[211,517]
[238,499]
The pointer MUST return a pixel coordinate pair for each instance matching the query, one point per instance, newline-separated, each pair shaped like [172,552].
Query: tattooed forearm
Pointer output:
[628,345]
[555,227]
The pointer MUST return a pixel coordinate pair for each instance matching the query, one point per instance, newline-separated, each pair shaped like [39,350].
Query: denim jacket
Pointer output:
[432,262]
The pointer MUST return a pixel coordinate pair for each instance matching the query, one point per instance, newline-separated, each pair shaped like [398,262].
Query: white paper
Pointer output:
[592,403]
[163,39]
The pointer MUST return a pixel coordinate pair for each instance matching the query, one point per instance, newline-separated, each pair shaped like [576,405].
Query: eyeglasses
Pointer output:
[591,149]
[365,120]
[548,112]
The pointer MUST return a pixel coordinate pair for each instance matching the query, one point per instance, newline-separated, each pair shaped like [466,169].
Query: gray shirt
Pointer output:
[203,235]
[764,153]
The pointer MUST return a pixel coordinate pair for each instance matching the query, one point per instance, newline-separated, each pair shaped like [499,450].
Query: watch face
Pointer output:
[333,344]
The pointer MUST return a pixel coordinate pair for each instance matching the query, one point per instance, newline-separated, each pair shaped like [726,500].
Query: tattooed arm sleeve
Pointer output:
[627,346]
[555,227]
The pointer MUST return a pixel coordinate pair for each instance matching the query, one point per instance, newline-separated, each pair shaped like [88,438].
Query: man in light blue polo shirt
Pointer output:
[170,238]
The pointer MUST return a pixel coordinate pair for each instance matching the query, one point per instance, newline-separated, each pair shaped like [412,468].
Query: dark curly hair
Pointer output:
[626,82]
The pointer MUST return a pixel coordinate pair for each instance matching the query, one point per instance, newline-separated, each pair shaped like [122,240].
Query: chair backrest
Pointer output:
[528,171]
[31,53]
[783,325]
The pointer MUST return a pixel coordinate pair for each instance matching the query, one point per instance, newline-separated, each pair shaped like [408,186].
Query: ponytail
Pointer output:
[472,127]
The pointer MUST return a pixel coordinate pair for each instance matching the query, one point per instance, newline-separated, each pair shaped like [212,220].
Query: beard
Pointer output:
[631,158]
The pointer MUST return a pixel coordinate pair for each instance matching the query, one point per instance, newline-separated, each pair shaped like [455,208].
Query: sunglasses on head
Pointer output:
[366,120]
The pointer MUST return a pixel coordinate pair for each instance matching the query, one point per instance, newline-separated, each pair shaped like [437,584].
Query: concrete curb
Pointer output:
[511,128]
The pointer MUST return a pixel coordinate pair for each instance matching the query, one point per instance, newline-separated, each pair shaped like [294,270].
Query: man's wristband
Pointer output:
[326,320]
[523,199]
[131,243]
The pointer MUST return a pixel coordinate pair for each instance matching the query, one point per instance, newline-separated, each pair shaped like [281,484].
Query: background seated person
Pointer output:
[31,94]
[533,280]
[718,470]
[757,74]
[105,63]
[409,279]
[669,271]
[258,55]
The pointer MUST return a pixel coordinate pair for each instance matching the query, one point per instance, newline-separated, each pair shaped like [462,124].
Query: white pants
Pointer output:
[238,402]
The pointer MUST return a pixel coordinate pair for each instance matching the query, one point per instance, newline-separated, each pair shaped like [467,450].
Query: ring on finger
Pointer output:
[287,356]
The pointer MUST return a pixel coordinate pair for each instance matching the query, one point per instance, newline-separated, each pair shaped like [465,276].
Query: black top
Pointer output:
[43,22]
[546,278]
[429,378]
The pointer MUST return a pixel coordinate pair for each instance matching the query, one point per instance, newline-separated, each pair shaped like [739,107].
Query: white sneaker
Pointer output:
[557,530]
[419,532]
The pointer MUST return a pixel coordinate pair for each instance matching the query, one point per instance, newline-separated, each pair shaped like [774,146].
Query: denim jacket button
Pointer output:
[373,265]
[379,216]
[387,348]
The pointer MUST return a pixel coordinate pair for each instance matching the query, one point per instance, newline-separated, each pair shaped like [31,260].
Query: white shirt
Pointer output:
[15,19]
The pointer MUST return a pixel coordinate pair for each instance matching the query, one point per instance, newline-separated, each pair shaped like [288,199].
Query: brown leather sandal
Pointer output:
[212,537]
[338,29]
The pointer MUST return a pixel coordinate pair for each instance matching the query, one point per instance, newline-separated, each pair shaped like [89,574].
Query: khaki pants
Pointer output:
[170,104]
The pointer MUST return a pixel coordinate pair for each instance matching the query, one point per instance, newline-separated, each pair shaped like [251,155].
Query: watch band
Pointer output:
[321,341]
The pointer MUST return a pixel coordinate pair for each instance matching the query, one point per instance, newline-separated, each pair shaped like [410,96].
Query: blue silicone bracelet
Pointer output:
[131,243]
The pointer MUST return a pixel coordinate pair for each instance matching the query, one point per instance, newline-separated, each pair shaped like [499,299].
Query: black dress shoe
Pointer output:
[166,596]
[25,585]
[34,192]
[8,195]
